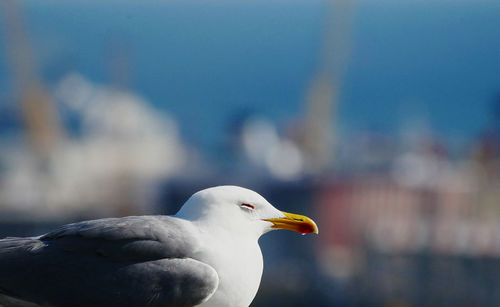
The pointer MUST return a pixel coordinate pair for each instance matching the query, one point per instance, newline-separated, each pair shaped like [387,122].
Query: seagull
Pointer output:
[205,255]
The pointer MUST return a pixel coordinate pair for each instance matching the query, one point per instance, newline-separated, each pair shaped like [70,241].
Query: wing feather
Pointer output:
[132,261]
[128,238]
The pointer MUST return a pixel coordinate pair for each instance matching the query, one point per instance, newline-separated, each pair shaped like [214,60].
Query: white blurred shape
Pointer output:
[285,161]
[411,170]
[263,146]
[126,146]
[74,90]
[258,137]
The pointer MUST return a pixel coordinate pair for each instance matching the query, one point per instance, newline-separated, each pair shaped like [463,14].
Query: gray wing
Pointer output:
[129,238]
[133,261]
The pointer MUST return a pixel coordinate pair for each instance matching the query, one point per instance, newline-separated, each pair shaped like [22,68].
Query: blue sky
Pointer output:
[203,62]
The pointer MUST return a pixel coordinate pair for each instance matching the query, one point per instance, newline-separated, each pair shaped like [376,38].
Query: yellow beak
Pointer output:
[295,222]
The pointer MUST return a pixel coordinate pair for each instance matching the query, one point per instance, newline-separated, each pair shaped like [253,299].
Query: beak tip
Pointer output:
[295,222]
[315,229]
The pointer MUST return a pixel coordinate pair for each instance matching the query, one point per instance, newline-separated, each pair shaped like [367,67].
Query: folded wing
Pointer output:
[133,261]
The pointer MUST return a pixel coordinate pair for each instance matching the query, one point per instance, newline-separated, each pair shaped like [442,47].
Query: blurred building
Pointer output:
[116,150]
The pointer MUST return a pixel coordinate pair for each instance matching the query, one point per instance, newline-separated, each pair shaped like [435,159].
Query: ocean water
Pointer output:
[208,62]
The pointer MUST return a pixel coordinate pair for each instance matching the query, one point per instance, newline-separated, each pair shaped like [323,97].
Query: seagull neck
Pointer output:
[222,231]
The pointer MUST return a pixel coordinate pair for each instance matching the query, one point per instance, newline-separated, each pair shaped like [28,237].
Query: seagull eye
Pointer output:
[251,207]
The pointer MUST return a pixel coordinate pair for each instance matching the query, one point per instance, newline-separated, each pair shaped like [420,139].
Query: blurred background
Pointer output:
[379,119]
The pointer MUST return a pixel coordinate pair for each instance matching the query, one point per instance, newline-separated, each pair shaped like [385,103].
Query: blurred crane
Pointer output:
[322,97]
[37,107]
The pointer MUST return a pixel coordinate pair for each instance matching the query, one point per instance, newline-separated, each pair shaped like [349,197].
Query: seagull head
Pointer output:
[241,210]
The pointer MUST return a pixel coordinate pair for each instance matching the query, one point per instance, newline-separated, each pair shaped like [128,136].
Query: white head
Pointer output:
[242,211]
